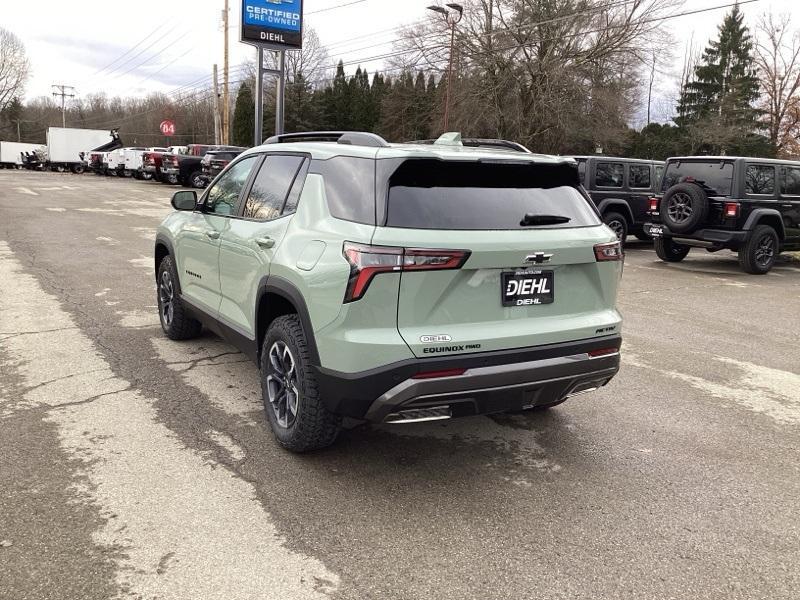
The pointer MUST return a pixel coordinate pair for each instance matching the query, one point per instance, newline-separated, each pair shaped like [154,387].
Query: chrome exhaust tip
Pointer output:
[420,415]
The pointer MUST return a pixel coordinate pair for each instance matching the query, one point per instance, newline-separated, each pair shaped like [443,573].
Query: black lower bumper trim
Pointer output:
[353,394]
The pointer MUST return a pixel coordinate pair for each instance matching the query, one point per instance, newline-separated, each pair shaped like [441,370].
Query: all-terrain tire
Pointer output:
[195,180]
[313,427]
[177,324]
[618,224]
[758,254]
[669,251]
[684,207]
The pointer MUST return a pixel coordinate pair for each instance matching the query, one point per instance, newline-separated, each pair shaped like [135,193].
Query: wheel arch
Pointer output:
[766,216]
[278,297]
[164,248]
[617,205]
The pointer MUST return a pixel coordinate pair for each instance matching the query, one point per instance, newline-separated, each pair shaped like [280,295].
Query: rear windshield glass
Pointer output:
[431,194]
[714,176]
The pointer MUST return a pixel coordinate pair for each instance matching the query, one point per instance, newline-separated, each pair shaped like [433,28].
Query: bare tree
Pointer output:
[547,73]
[777,56]
[14,67]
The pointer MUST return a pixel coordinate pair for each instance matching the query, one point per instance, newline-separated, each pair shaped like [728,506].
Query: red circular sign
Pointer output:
[168,128]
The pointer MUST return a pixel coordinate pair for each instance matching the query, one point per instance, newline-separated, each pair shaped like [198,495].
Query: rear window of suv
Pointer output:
[715,176]
[432,194]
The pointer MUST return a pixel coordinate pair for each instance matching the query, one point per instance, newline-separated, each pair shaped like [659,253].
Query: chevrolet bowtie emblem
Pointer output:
[538,258]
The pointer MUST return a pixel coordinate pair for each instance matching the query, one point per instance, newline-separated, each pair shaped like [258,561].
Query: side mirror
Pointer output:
[184,200]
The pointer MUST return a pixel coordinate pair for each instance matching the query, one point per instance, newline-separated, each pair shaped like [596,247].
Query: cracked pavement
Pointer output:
[136,467]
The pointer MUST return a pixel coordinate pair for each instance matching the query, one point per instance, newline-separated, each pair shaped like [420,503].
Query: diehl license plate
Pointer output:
[655,230]
[527,288]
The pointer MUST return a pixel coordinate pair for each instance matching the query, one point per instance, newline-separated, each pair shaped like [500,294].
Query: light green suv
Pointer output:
[395,282]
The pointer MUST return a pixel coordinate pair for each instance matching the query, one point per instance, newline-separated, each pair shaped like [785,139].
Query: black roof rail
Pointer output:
[351,138]
[483,143]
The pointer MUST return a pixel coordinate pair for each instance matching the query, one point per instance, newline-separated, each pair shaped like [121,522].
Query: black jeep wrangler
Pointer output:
[748,205]
[621,189]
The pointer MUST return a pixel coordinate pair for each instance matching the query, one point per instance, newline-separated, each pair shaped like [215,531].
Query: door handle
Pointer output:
[213,234]
[265,242]
[787,205]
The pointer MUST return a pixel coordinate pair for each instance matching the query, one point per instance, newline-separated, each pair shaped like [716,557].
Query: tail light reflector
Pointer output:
[609,251]
[442,373]
[653,204]
[367,261]
[731,210]
[602,352]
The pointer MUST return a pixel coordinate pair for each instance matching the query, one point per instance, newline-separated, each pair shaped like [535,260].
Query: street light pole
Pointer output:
[452,18]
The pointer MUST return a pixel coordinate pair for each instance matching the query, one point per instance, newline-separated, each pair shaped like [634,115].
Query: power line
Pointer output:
[395,54]
[124,54]
[142,51]
[346,4]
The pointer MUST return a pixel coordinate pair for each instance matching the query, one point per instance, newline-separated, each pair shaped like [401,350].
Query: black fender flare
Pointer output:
[617,204]
[162,240]
[271,284]
[758,215]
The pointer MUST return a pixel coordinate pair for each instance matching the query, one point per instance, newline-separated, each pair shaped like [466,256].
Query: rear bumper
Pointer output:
[701,237]
[493,381]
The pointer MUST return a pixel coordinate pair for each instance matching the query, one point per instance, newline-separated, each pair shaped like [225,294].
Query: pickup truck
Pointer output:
[152,161]
[134,162]
[187,169]
[215,161]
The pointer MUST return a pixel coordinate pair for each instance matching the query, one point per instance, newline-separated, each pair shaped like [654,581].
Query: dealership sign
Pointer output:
[275,23]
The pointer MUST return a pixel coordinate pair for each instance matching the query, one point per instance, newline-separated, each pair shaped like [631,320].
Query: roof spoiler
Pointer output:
[349,138]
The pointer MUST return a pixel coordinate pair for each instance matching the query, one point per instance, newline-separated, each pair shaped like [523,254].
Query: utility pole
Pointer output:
[452,18]
[64,91]
[226,80]
[216,108]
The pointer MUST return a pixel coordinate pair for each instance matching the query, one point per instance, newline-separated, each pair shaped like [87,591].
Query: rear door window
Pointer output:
[432,194]
[582,171]
[639,176]
[271,187]
[714,176]
[609,175]
[790,182]
[760,180]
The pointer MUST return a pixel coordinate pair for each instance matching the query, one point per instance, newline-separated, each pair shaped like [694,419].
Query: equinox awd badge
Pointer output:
[435,339]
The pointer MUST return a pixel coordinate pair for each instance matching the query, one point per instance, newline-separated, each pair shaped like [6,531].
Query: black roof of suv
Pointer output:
[748,205]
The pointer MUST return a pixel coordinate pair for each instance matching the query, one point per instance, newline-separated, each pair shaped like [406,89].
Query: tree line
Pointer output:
[562,76]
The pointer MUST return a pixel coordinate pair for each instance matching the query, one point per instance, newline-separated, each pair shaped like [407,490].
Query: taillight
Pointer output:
[731,210]
[367,261]
[653,204]
[609,251]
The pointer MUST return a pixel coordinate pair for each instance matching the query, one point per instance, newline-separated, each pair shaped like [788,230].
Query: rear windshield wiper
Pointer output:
[532,220]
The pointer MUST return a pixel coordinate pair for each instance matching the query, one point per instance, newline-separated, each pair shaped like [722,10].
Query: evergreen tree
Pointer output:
[337,102]
[719,100]
[244,117]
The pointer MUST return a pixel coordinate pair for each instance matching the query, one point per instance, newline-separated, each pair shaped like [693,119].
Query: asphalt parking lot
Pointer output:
[137,467]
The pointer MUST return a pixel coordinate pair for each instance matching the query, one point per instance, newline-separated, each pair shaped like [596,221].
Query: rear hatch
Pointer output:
[523,270]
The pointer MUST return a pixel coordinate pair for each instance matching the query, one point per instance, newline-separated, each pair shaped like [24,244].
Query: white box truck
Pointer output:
[66,147]
[11,153]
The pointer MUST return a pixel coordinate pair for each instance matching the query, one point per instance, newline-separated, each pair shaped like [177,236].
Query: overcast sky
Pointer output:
[76,42]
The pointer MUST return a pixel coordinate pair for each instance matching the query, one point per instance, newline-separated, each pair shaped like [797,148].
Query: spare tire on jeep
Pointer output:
[684,207]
